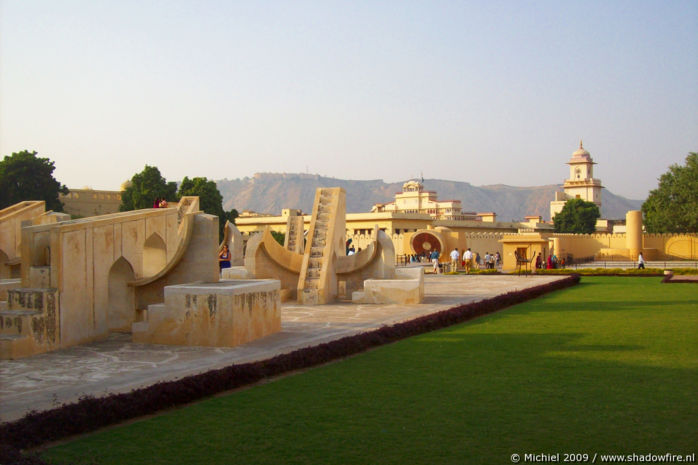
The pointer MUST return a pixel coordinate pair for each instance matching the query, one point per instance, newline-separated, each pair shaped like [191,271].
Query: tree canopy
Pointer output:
[577,216]
[279,237]
[210,199]
[673,206]
[24,176]
[145,187]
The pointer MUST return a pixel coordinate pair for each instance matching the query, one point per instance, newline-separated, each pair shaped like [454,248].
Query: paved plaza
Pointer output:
[117,365]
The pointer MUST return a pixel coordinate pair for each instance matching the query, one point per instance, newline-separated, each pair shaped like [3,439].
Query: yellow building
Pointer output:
[414,199]
[88,202]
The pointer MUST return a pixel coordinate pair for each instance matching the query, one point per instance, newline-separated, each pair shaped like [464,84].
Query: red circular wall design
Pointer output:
[425,243]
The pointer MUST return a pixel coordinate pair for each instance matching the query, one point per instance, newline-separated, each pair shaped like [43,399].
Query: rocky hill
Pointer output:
[270,192]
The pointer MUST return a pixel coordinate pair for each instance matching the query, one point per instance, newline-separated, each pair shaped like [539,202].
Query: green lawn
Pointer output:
[610,366]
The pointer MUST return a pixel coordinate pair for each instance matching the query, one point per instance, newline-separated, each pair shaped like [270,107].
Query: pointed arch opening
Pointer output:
[121,312]
[154,255]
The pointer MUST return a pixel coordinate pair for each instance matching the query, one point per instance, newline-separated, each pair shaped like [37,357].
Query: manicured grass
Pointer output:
[610,365]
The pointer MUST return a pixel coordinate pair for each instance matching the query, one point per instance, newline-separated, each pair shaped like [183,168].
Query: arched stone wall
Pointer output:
[121,310]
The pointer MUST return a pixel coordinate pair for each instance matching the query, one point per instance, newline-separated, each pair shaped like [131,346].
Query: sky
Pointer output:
[486,92]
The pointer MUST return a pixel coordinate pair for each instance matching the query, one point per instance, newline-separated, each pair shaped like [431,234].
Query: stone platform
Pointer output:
[119,365]
[221,314]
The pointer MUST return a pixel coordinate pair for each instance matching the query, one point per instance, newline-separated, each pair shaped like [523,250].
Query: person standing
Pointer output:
[468,259]
[455,255]
[435,260]
[224,257]
[487,260]
[640,262]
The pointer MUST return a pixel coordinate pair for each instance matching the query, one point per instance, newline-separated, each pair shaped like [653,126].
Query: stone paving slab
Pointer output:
[117,365]
[683,278]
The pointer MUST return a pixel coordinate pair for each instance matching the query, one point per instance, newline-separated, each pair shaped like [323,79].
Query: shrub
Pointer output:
[605,271]
[685,271]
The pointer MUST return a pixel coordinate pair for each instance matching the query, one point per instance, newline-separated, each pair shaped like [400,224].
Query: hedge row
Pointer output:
[685,271]
[604,271]
[90,413]
[473,271]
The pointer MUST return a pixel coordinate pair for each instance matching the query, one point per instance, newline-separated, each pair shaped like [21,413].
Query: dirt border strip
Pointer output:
[90,413]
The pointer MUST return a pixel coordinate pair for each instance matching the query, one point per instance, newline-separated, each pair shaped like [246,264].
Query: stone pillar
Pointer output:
[633,234]
[554,247]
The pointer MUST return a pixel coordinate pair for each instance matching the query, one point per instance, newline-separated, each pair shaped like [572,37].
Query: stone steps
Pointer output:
[16,322]
[30,323]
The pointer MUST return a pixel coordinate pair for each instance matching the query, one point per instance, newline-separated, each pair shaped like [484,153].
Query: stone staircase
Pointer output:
[30,324]
[316,273]
[291,233]
[294,234]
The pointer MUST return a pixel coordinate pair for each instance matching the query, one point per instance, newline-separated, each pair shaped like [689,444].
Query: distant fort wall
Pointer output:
[82,203]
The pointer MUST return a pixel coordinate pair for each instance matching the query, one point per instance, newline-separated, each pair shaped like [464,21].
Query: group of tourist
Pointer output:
[469,258]
[160,203]
[550,263]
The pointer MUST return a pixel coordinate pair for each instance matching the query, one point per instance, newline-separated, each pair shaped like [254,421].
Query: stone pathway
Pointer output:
[118,365]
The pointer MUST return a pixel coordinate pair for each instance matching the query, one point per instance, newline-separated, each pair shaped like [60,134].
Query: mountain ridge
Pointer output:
[270,192]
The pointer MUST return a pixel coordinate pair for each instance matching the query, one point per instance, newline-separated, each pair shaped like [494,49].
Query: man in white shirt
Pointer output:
[455,255]
[468,259]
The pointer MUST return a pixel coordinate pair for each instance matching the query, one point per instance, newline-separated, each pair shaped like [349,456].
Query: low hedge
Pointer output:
[684,271]
[91,413]
[485,271]
[604,271]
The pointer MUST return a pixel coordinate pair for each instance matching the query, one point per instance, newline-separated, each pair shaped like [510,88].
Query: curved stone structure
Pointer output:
[233,239]
[85,278]
[323,272]
[267,259]
[376,262]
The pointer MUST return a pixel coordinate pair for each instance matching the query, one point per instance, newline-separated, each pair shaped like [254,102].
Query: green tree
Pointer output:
[145,187]
[279,236]
[673,206]
[577,216]
[232,215]
[210,199]
[24,176]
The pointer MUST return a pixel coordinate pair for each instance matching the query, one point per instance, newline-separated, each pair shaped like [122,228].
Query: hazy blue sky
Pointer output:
[486,92]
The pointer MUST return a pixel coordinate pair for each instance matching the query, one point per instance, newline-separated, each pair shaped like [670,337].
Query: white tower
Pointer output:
[581,183]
